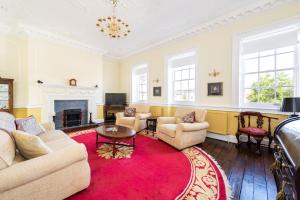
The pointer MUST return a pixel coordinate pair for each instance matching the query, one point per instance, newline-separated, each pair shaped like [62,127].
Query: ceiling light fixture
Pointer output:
[112,26]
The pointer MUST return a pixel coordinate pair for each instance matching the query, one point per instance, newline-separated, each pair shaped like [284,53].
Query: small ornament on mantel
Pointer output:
[73,82]
[214,73]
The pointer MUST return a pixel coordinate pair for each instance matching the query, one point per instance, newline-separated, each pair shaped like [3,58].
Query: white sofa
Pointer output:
[54,176]
[138,122]
[182,135]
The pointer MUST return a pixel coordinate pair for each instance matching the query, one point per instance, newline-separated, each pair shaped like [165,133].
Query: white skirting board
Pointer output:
[232,138]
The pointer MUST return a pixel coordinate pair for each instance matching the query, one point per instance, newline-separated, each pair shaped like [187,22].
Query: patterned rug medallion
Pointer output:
[152,170]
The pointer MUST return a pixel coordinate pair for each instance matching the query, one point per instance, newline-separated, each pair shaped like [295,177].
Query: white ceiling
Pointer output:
[151,21]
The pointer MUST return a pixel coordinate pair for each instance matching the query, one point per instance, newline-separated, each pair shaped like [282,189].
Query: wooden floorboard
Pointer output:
[249,174]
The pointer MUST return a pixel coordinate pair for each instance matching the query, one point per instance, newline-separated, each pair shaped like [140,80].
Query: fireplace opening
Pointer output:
[72,117]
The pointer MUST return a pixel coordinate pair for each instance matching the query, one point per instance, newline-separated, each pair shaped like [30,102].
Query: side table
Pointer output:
[151,124]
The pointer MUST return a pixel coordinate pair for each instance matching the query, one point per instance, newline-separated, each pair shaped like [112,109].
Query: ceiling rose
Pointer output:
[112,26]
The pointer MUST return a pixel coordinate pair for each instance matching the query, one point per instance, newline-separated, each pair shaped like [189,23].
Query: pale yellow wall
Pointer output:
[111,75]
[214,50]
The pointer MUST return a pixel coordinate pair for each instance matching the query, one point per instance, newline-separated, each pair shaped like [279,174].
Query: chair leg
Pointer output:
[238,140]
[249,141]
[270,142]
[258,142]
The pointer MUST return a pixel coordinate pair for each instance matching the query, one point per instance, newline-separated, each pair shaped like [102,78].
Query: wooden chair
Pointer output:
[256,132]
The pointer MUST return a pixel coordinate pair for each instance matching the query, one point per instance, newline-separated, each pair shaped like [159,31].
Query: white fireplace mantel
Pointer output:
[50,93]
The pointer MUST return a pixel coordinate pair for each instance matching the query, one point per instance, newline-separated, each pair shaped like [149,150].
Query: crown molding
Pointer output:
[23,29]
[220,21]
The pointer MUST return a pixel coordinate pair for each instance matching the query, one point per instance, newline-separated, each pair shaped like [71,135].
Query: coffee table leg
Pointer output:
[96,141]
[114,148]
[133,144]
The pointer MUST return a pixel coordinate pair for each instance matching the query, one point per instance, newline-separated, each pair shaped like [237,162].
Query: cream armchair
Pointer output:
[182,135]
[138,122]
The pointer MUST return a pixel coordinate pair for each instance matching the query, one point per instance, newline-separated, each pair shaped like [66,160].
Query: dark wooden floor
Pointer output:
[249,174]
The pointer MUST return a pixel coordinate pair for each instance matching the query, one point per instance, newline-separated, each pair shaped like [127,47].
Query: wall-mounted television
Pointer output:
[115,98]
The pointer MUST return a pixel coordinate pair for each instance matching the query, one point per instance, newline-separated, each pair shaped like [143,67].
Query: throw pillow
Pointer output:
[7,149]
[189,118]
[129,112]
[30,146]
[29,125]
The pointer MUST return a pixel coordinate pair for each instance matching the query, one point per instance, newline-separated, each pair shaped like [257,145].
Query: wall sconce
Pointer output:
[96,86]
[156,80]
[40,82]
[214,73]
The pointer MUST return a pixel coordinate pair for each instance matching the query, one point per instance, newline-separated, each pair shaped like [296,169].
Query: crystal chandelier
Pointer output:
[112,26]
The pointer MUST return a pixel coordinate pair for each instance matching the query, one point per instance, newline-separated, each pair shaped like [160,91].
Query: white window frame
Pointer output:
[237,73]
[134,86]
[170,79]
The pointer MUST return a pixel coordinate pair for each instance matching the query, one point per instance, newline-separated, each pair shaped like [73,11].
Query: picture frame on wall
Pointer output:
[215,89]
[156,91]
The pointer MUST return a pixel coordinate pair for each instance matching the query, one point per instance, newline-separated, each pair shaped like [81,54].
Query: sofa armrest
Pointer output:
[143,115]
[186,127]
[166,120]
[49,126]
[36,168]
[119,114]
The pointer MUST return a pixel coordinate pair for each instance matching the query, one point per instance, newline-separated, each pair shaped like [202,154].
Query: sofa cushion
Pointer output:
[168,129]
[129,112]
[59,144]
[19,158]
[53,135]
[7,148]
[29,125]
[7,122]
[127,120]
[189,118]
[30,146]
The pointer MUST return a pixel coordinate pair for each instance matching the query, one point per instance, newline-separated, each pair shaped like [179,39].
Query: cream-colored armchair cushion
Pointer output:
[192,126]
[30,146]
[7,150]
[168,129]
[127,120]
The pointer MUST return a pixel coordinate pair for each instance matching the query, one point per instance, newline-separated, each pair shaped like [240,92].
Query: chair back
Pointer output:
[248,115]
[200,114]
[141,108]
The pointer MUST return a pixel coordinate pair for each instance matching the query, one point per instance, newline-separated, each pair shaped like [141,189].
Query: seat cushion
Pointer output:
[127,120]
[253,131]
[168,129]
[7,149]
[30,146]
[53,135]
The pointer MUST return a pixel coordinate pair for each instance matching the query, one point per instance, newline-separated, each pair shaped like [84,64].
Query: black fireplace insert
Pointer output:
[72,117]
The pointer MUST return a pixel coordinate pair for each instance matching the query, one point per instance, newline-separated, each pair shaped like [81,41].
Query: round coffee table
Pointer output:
[115,134]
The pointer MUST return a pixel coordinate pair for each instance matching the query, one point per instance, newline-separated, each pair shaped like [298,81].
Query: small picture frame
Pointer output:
[215,89]
[156,91]
[73,82]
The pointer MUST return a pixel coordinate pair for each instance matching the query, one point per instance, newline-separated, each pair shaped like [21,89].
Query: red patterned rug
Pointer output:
[153,170]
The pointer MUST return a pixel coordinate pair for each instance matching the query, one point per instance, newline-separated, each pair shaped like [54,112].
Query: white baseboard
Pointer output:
[232,138]
[98,120]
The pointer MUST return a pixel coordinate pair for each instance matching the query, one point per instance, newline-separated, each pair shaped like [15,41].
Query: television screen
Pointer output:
[115,99]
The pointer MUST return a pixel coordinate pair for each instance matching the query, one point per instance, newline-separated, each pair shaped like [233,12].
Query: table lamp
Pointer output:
[291,104]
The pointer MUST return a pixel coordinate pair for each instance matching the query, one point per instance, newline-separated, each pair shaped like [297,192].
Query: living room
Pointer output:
[105,99]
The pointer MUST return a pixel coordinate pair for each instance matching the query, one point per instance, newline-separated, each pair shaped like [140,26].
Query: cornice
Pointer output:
[220,21]
[33,31]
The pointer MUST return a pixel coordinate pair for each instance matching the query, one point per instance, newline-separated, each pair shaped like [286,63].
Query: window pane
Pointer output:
[267,79]
[191,96]
[267,63]
[266,95]
[185,74]
[184,85]
[251,95]
[191,85]
[285,60]
[251,65]
[283,92]
[177,85]
[250,80]
[251,55]
[285,78]
[267,53]
[177,75]
[285,49]
[192,73]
